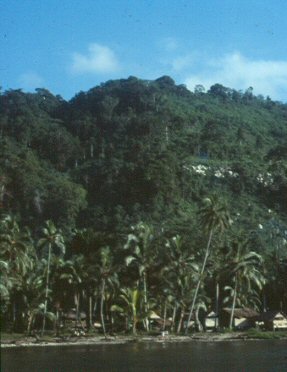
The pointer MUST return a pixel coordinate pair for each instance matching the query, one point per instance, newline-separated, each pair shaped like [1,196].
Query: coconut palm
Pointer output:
[213,217]
[33,293]
[142,254]
[52,238]
[68,278]
[131,301]
[17,252]
[106,272]
[179,274]
[86,242]
[243,267]
[16,246]
[6,283]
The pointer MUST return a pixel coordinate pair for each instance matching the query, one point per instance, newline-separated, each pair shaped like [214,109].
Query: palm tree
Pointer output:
[17,251]
[33,292]
[106,272]
[16,246]
[179,274]
[213,216]
[243,268]
[86,242]
[68,281]
[53,238]
[143,256]
[6,284]
[131,300]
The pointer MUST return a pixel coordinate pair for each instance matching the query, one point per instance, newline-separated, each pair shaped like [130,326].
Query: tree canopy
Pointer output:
[131,153]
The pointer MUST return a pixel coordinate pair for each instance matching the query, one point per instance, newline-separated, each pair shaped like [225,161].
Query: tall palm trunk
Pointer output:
[216,304]
[14,311]
[47,289]
[173,317]
[233,303]
[135,321]
[29,324]
[145,301]
[264,301]
[57,325]
[102,306]
[180,320]
[77,303]
[199,281]
[90,311]
[198,322]
[164,316]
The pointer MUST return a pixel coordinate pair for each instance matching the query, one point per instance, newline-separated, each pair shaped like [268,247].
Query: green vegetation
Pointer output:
[141,197]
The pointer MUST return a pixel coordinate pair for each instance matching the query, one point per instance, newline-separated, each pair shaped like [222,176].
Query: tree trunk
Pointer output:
[77,303]
[173,317]
[233,303]
[134,325]
[14,314]
[102,306]
[264,301]
[90,312]
[180,320]
[198,322]
[47,289]
[145,301]
[57,325]
[164,316]
[199,281]
[30,318]
[216,304]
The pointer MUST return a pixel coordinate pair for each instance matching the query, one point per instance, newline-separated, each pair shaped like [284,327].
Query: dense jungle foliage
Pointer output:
[141,196]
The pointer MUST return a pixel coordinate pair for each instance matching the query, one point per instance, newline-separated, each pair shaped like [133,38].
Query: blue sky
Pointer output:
[72,45]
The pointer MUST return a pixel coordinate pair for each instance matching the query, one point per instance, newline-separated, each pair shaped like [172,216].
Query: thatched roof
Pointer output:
[161,322]
[212,315]
[154,316]
[242,313]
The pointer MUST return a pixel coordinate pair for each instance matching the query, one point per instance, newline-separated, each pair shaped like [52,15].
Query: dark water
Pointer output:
[195,356]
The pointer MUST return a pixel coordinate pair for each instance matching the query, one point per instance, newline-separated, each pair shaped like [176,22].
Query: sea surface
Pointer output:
[193,356]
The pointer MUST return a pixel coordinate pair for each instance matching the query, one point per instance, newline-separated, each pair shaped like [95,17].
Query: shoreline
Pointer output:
[119,340]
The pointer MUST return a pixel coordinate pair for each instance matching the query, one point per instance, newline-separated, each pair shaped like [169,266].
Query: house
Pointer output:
[272,320]
[211,321]
[73,316]
[243,318]
[159,322]
[74,320]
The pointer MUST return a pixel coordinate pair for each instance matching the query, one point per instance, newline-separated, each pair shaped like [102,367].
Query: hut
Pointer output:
[72,319]
[211,321]
[154,316]
[158,322]
[244,318]
[72,315]
[272,320]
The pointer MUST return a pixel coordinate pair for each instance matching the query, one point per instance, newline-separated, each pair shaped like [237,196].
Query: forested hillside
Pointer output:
[144,156]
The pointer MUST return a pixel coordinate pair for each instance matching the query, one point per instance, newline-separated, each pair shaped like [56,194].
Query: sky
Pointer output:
[67,46]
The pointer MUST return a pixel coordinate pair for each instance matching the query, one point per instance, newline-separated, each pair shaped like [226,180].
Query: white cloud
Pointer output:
[31,80]
[100,59]
[267,77]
